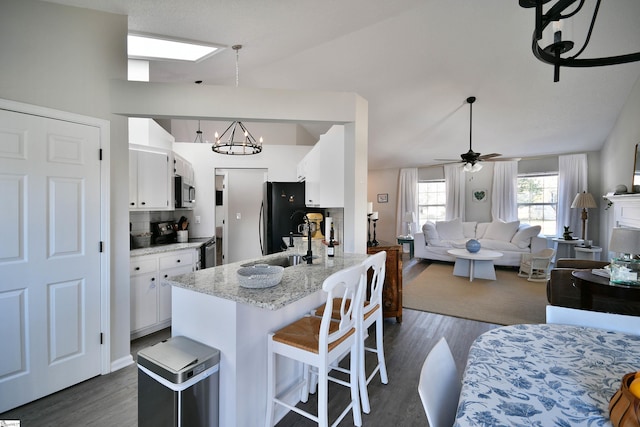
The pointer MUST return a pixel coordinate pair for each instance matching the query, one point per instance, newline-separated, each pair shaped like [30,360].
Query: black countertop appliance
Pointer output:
[163,232]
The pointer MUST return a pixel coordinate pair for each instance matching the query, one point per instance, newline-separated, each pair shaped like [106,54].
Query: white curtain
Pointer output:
[407,199]
[572,179]
[454,186]
[504,193]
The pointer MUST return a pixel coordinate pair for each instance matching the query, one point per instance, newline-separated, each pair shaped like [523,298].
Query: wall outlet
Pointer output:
[238,215]
[197,219]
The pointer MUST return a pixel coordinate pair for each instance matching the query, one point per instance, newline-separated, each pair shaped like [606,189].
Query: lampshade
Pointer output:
[625,240]
[584,200]
[409,217]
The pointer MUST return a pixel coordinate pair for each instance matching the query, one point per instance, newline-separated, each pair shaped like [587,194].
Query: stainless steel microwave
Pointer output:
[185,193]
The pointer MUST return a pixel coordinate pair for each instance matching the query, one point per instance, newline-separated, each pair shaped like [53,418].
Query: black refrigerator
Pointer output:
[279,202]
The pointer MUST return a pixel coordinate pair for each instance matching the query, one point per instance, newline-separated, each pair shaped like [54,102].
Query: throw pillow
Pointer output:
[500,230]
[481,229]
[522,238]
[450,230]
[469,229]
[430,233]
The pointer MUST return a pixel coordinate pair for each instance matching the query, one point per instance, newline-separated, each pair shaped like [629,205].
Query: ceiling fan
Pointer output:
[471,159]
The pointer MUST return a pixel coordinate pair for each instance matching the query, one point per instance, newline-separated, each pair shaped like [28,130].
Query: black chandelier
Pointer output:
[558,45]
[246,143]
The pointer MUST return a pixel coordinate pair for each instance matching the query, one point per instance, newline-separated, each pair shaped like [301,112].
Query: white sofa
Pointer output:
[512,239]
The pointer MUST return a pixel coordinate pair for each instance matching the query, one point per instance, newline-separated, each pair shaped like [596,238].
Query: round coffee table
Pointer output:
[475,265]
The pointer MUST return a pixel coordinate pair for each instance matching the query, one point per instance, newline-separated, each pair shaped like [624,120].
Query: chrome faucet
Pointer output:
[309,256]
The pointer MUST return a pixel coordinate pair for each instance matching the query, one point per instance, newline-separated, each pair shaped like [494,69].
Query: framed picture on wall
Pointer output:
[383,198]
[480,195]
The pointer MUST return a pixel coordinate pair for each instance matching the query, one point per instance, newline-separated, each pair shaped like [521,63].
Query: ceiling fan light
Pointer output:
[472,167]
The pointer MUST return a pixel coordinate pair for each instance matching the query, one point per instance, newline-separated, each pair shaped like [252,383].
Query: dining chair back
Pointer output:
[372,313]
[439,386]
[319,343]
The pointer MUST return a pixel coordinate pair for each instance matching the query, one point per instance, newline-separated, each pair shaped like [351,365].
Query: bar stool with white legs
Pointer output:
[372,313]
[321,343]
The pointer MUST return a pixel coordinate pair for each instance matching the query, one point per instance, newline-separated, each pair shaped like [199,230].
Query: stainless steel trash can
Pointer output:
[178,384]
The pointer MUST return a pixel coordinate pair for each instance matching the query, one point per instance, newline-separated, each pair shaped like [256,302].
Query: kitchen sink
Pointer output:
[283,261]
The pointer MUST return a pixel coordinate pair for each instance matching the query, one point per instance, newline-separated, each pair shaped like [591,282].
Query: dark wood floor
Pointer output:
[111,400]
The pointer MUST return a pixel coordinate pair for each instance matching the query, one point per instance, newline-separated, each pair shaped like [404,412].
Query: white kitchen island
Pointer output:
[209,306]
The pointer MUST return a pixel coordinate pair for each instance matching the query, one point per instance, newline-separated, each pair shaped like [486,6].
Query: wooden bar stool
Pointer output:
[371,313]
[321,343]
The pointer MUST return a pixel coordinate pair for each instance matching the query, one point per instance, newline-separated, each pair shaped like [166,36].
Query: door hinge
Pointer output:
[101,337]
[101,246]
[100,154]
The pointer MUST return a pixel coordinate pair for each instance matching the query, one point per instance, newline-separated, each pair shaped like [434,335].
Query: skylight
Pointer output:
[154,47]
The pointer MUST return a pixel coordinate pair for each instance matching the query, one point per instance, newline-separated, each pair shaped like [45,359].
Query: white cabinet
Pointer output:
[149,179]
[183,168]
[301,170]
[324,171]
[150,297]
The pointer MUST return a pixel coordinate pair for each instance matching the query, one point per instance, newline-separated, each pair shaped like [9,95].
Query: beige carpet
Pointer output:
[508,300]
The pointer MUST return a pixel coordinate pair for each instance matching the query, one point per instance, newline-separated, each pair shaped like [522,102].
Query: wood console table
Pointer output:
[620,299]
[392,290]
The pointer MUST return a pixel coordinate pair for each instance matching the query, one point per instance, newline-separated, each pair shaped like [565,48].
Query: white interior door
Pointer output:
[50,296]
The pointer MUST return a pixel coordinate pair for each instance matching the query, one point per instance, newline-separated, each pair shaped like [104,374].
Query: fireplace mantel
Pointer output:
[626,209]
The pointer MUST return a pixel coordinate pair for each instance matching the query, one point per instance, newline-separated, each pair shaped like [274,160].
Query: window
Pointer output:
[538,201]
[432,200]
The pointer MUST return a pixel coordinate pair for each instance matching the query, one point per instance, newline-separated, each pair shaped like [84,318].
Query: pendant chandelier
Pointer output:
[199,139]
[556,40]
[245,143]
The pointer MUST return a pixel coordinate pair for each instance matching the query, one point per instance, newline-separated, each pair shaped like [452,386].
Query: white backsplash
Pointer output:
[141,221]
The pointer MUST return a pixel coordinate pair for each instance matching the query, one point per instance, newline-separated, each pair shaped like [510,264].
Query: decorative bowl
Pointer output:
[624,407]
[473,245]
[260,276]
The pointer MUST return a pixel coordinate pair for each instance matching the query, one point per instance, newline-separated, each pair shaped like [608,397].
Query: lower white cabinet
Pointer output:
[150,298]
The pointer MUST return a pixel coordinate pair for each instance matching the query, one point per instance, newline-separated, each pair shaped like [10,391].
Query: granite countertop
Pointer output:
[297,281]
[156,249]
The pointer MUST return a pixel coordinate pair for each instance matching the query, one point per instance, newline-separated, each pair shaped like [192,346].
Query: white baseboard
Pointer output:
[123,362]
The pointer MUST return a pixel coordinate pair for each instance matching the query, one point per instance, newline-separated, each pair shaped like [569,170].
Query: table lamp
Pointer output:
[624,269]
[585,201]
[409,218]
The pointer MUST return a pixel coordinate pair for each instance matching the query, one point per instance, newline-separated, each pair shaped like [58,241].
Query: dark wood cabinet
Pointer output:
[392,291]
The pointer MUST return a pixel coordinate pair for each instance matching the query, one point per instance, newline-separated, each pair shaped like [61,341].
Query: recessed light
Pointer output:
[156,47]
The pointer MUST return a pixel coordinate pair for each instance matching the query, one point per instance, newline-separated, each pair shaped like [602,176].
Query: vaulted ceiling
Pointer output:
[415,62]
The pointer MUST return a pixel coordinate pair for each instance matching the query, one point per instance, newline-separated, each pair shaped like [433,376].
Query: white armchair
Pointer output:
[537,267]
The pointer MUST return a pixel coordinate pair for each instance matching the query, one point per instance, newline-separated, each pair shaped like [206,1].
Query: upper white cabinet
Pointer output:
[149,179]
[183,168]
[301,170]
[323,170]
